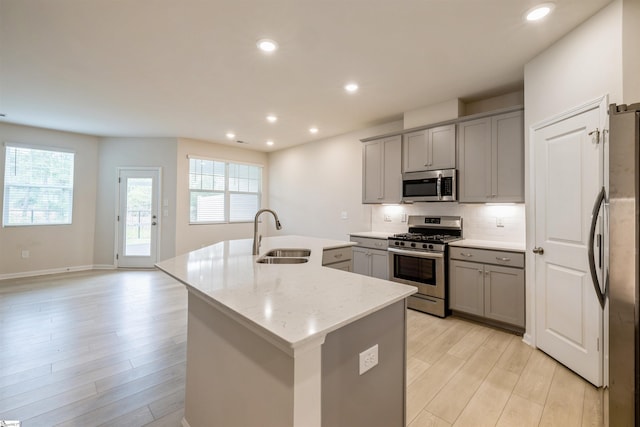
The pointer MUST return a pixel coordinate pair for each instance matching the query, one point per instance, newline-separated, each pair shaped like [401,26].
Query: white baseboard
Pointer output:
[45,272]
[527,339]
[104,267]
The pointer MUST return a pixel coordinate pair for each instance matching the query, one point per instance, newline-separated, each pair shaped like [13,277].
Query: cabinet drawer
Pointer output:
[370,242]
[330,256]
[509,259]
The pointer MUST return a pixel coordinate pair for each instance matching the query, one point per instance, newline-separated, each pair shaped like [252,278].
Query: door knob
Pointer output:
[538,250]
[154,223]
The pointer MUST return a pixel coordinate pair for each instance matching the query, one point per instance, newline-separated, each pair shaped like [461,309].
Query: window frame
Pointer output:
[6,146]
[227,193]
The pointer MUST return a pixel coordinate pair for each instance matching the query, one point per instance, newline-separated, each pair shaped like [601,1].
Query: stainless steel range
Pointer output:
[419,258]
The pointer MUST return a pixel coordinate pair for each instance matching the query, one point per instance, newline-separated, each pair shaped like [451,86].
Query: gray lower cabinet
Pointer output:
[491,159]
[488,284]
[338,258]
[382,170]
[369,257]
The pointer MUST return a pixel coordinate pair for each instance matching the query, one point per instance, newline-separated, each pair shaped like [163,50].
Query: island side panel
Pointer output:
[377,397]
[234,377]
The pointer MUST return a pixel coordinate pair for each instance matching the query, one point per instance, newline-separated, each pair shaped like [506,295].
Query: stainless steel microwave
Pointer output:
[429,186]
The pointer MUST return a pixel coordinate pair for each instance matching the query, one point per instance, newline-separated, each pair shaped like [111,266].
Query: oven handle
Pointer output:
[418,254]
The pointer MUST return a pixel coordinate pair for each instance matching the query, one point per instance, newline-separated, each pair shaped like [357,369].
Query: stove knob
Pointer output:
[397,243]
[413,245]
[425,246]
[430,246]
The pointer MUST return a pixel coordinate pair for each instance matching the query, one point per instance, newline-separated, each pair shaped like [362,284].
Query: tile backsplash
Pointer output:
[479,221]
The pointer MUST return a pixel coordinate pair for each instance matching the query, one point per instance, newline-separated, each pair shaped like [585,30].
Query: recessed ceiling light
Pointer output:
[351,87]
[313,129]
[267,45]
[269,142]
[271,118]
[231,135]
[539,12]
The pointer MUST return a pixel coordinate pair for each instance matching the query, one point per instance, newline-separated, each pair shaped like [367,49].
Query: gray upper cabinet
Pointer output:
[491,159]
[430,149]
[382,170]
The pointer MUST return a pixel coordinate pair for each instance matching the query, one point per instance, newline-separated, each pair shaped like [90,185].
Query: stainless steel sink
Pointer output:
[281,260]
[296,253]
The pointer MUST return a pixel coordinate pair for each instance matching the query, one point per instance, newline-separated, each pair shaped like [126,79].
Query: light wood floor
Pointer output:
[109,348]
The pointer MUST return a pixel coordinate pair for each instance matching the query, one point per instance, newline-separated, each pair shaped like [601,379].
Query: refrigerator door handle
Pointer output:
[592,262]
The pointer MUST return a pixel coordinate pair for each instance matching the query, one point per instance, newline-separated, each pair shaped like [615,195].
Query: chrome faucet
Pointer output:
[257,239]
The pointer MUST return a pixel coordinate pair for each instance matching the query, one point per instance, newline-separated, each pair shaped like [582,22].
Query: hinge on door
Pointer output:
[118,218]
[597,133]
[120,179]
[117,256]
[598,344]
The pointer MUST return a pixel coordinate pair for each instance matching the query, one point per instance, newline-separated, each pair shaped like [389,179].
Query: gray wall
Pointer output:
[310,185]
[122,152]
[59,247]
[582,66]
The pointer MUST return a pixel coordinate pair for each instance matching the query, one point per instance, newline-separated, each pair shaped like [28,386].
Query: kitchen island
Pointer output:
[280,344]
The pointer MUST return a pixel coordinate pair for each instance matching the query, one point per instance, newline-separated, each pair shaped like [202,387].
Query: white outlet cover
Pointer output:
[499,222]
[368,359]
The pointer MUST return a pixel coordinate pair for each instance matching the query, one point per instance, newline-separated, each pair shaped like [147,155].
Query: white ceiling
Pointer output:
[190,68]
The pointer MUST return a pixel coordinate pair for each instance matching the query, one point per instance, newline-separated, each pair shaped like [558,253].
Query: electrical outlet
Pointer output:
[499,222]
[403,217]
[25,253]
[368,359]
[344,215]
[387,218]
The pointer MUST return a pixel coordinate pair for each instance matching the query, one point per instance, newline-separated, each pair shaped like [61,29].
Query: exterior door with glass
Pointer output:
[137,218]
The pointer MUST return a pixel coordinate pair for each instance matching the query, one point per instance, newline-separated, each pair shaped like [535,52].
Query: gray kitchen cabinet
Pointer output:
[491,159]
[466,287]
[338,258]
[488,284]
[382,170]
[430,149]
[370,257]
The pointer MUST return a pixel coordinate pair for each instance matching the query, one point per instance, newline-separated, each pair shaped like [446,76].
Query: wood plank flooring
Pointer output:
[108,348]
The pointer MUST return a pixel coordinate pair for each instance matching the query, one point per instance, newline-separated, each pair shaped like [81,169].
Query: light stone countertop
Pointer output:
[292,304]
[373,234]
[490,244]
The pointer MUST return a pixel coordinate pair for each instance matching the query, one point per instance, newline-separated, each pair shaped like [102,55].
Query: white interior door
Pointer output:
[138,219]
[568,177]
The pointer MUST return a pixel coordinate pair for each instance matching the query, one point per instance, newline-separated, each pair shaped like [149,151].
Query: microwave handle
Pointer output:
[439,186]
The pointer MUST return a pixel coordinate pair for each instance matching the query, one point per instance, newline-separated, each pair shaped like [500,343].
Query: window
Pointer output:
[38,186]
[223,192]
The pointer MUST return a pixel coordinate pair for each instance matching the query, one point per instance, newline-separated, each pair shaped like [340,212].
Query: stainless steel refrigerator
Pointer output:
[623,288]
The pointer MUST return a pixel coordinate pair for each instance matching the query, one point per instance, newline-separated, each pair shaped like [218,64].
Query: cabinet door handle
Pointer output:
[479,271]
[338,256]
[503,259]
[467,255]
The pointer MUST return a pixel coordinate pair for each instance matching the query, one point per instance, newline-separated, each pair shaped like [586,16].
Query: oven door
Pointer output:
[425,270]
